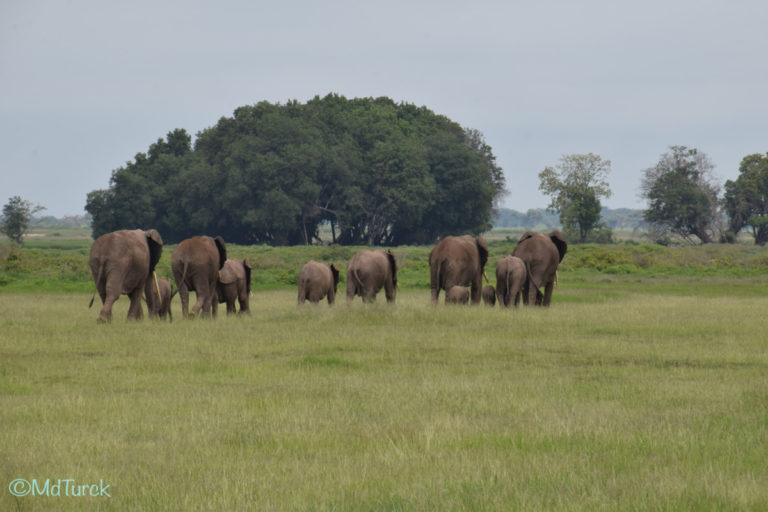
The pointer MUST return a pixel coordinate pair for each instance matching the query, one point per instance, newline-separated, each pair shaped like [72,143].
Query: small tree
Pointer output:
[746,199]
[682,196]
[576,186]
[17,213]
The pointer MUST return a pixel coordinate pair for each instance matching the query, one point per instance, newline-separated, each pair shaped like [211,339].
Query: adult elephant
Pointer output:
[370,271]
[162,290]
[123,262]
[234,285]
[541,253]
[458,261]
[196,263]
[510,280]
[318,280]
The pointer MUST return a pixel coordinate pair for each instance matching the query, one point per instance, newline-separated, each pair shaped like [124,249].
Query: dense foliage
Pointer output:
[576,185]
[682,196]
[746,199]
[378,172]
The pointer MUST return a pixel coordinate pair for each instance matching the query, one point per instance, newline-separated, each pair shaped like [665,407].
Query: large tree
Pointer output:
[746,199]
[378,172]
[682,196]
[576,185]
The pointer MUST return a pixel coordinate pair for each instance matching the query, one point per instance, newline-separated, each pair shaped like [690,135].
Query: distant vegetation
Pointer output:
[620,218]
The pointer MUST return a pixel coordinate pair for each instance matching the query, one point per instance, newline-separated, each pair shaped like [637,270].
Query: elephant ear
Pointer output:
[247,269]
[155,243]
[526,236]
[482,250]
[335,274]
[222,247]
[392,265]
[559,240]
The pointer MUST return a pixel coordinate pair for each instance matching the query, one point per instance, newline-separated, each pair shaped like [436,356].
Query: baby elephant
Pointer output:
[234,285]
[318,280]
[457,295]
[511,275]
[489,295]
[160,308]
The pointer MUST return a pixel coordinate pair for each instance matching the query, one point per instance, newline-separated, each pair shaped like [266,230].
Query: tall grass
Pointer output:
[636,401]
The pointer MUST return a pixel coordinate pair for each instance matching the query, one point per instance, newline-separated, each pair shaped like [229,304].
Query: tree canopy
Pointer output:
[746,199]
[682,195]
[576,186]
[378,172]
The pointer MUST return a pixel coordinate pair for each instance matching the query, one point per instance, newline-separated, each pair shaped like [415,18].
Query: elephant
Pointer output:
[123,262]
[318,280]
[370,271]
[541,253]
[510,280]
[196,263]
[489,295]
[457,295]
[164,292]
[458,261]
[234,284]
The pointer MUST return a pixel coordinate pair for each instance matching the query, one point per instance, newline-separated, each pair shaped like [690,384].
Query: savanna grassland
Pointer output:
[643,387]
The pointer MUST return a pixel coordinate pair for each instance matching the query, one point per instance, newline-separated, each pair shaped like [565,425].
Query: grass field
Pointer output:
[632,392]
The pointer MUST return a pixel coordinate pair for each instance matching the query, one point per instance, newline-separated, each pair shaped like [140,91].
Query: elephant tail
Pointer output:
[183,275]
[98,280]
[357,280]
[532,281]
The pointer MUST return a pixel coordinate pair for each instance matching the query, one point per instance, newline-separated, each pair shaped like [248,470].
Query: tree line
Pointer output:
[684,200]
[378,172]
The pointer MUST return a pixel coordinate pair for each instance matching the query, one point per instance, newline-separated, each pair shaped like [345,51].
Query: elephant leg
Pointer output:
[548,293]
[389,292]
[477,289]
[199,303]
[302,297]
[134,311]
[533,294]
[350,289]
[184,297]
[108,298]
[243,300]
[331,296]
[231,310]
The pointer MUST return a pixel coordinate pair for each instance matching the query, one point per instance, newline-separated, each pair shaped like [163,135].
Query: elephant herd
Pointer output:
[123,262]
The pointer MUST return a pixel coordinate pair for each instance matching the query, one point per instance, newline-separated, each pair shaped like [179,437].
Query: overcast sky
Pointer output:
[88,84]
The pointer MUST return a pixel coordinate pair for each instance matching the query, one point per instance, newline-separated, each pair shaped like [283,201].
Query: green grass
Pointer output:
[629,393]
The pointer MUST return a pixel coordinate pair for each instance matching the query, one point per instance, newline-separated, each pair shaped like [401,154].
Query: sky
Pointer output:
[85,85]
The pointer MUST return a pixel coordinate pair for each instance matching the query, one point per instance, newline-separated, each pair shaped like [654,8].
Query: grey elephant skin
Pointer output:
[159,298]
[122,262]
[541,253]
[510,280]
[370,271]
[316,281]
[196,263]
[489,295]
[457,295]
[234,286]
[458,261]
